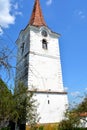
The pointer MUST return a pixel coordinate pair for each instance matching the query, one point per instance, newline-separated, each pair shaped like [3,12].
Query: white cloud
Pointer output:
[8,12]
[1,32]
[66,88]
[5,17]
[85,89]
[75,94]
[80,13]
[15,6]
[18,13]
[49,2]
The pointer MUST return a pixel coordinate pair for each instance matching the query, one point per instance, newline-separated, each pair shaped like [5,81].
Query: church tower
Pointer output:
[39,67]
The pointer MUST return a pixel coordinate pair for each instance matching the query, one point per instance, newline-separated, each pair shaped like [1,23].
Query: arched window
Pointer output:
[44,44]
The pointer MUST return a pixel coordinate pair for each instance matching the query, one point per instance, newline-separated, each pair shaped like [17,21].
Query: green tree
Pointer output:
[19,107]
[6,104]
[25,105]
[71,121]
[73,116]
[82,107]
[82,110]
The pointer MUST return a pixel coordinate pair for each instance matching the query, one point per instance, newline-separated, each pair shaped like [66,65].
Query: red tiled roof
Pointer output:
[37,18]
[83,114]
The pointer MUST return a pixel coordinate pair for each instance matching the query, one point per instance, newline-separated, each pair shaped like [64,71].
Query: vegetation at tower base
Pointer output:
[47,126]
[17,108]
[25,106]
[82,107]
[6,105]
[76,117]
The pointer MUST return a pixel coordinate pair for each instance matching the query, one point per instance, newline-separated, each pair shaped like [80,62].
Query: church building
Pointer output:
[39,67]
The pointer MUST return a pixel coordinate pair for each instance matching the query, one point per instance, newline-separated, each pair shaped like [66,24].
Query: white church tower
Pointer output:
[39,67]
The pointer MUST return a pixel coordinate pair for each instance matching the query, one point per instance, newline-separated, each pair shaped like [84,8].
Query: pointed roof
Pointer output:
[37,18]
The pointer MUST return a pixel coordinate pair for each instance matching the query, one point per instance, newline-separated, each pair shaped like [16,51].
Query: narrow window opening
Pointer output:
[44,44]
[22,48]
[48,101]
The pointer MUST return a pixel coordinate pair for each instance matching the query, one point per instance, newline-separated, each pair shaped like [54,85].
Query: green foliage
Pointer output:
[71,121]
[6,103]
[20,102]
[48,127]
[82,107]
[41,128]
[18,107]
[73,129]
[65,125]
[73,117]
[25,105]
[6,128]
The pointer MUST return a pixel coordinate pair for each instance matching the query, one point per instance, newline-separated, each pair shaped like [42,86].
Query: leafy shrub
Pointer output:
[6,128]
[41,128]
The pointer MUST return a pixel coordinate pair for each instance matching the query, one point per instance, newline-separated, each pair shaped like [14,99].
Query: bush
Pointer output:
[65,125]
[72,129]
[41,128]
[6,128]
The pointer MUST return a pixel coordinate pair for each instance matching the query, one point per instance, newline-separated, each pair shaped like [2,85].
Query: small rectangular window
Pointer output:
[22,47]
[44,44]
[48,101]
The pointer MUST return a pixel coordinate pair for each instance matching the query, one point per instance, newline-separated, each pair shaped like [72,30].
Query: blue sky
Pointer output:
[69,18]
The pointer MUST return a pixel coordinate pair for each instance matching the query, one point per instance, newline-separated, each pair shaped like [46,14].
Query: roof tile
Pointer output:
[37,18]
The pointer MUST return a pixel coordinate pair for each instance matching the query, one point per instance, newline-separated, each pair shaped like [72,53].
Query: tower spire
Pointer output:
[37,18]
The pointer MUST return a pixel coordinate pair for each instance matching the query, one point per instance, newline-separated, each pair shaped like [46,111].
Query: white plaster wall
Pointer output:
[36,44]
[54,111]
[44,73]
[44,65]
